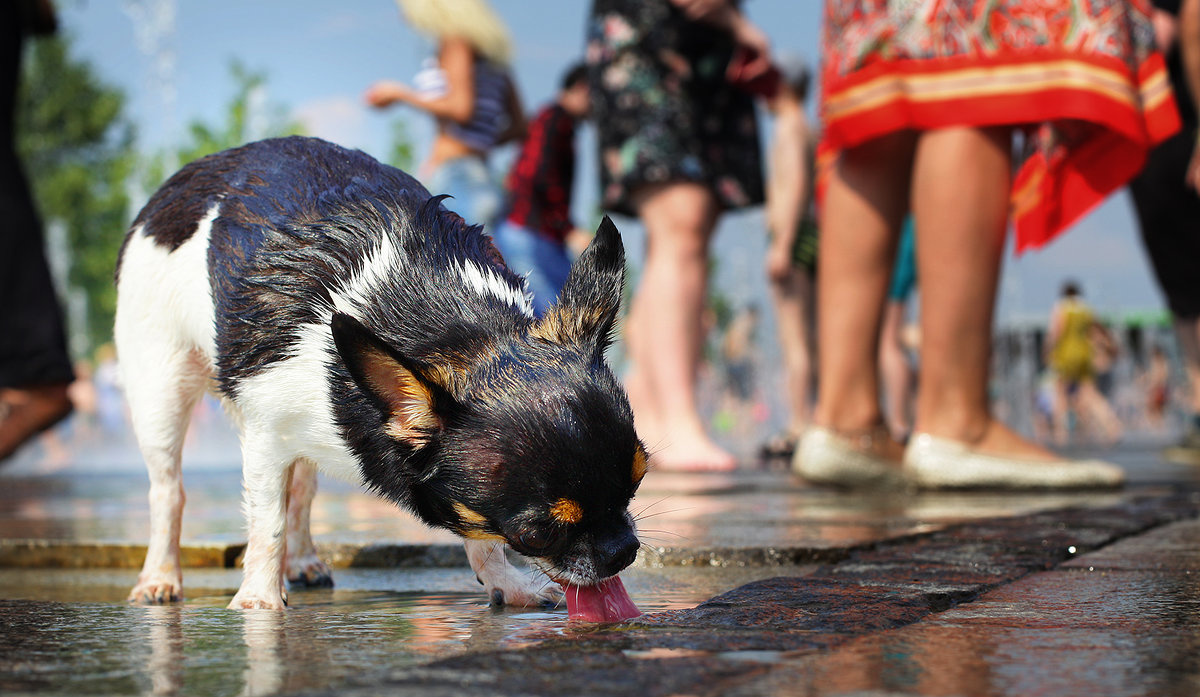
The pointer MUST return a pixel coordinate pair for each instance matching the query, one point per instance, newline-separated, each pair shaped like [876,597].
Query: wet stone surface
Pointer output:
[844,628]
[753,585]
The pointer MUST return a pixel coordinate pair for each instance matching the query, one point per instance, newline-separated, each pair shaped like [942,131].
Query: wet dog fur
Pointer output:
[351,324]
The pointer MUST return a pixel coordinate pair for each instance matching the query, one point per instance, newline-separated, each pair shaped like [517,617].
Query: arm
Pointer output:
[457,61]
[787,195]
[1189,48]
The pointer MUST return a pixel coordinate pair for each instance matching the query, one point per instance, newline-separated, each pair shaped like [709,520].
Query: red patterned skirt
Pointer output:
[1081,77]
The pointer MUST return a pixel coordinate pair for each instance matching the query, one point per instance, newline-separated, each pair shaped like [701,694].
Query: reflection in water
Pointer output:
[326,638]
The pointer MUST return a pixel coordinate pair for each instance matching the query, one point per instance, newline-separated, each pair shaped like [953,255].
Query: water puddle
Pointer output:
[71,633]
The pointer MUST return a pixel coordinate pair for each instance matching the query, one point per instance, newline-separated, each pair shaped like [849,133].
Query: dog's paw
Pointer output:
[156,591]
[252,601]
[525,593]
[310,572]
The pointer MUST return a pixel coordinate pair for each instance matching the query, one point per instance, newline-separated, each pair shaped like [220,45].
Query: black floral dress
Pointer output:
[663,108]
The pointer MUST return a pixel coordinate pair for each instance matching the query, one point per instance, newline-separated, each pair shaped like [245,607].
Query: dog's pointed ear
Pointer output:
[413,402]
[590,299]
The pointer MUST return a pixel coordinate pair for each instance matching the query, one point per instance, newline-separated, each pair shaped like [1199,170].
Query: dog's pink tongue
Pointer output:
[605,602]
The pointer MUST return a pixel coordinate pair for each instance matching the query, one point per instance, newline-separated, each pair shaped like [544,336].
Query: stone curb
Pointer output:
[58,554]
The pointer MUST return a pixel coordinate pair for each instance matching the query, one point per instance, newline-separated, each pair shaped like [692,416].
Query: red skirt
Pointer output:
[1081,76]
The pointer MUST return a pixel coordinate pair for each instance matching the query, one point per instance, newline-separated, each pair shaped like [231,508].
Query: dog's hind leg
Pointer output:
[162,385]
[303,566]
[504,584]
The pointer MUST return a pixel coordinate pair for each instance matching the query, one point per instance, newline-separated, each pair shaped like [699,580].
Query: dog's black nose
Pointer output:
[618,552]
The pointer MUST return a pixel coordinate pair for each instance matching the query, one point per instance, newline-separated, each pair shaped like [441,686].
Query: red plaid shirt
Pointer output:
[540,180]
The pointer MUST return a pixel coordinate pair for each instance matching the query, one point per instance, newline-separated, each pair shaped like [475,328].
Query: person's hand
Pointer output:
[386,92]
[753,42]
[778,262]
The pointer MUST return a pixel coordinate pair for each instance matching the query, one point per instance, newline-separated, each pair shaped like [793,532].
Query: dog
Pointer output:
[350,323]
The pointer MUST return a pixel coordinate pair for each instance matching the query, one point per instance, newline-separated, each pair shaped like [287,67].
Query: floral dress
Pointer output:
[1082,77]
[663,108]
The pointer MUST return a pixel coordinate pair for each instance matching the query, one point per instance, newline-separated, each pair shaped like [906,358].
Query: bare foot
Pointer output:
[697,454]
[26,412]
[999,439]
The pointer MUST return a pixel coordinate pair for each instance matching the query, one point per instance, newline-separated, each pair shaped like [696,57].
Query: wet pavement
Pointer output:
[752,584]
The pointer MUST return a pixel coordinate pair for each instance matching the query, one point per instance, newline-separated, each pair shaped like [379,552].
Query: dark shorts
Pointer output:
[1168,213]
[663,108]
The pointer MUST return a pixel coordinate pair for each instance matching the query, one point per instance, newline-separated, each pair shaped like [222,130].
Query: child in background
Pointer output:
[534,239]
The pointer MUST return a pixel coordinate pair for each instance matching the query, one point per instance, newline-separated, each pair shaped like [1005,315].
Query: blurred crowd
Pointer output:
[940,126]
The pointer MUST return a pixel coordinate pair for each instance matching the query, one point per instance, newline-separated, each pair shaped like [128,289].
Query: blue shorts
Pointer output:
[474,195]
[544,262]
[904,272]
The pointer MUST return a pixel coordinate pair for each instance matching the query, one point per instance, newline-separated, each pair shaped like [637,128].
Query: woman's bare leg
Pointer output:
[666,332]
[896,371]
[961,182]
[865,203]
[793,302]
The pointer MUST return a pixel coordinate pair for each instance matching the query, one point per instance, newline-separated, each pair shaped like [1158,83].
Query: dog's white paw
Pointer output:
[518,591]
[309,571]
[245,600]
[157,590]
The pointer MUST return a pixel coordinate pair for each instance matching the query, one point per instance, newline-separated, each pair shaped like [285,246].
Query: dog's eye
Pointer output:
[537,540]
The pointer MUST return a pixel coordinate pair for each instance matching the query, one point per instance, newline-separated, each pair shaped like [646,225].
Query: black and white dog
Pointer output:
[352,324]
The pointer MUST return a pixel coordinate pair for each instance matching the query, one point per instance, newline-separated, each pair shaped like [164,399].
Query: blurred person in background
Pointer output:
[470,92]
[921,100]
[538,236]
[35,369]
[1168,212]
[1069,339]
[672,101]
[895,364]
[791,261]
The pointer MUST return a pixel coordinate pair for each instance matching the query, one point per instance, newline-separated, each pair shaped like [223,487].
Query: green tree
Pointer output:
[77,147]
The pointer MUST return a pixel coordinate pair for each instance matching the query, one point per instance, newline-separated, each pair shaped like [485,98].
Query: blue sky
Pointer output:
[320,56]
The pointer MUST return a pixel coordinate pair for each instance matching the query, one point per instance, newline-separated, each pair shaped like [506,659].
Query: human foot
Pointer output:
[1000,459]
[865,459]
[26,412]
[696,454]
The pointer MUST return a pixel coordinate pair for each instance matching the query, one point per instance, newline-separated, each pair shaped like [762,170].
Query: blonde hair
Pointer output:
[474,21]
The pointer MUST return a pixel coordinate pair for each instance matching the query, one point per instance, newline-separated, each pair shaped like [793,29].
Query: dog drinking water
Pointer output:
[351,324]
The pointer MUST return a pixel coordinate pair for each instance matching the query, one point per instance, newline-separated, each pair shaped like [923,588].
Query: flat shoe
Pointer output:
[825,457]
[938,463]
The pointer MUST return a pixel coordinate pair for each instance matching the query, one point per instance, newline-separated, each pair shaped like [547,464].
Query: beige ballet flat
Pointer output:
[938,463]
[825,457]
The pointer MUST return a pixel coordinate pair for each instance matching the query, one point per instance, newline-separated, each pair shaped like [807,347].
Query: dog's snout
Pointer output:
[619,553]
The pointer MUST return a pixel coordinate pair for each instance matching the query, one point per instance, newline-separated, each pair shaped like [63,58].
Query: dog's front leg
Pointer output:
[266,481]
[504,584]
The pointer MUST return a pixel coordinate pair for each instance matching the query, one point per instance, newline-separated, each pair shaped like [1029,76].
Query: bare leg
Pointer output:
[1187,331]
[897,372]
[864,205]
[666,330]
[793,301]
[961,181]
[1099,411]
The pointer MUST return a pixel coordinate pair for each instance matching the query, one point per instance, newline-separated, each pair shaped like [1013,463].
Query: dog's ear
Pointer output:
[413,401]
[590,299]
